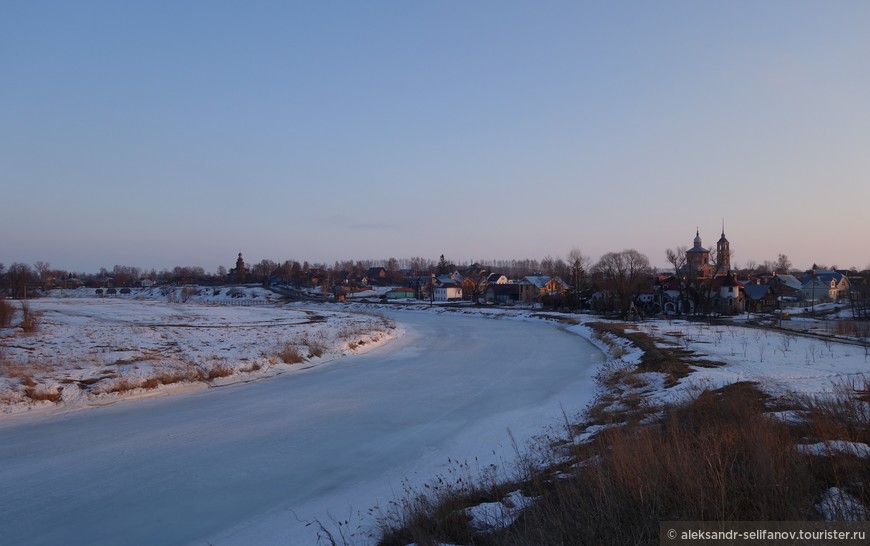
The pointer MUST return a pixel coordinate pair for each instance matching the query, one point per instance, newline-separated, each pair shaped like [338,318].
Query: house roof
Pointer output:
[730,280]
[401,290]
[756,291]
[540,281]
[825,274]
[447,279]
[790,280]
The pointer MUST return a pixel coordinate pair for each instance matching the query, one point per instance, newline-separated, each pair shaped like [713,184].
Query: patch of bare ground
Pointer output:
[563,319]
[721,456]
[673,361]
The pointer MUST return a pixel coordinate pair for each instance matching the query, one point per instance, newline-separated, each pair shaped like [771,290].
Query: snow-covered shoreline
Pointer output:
[86,345]
[91,351]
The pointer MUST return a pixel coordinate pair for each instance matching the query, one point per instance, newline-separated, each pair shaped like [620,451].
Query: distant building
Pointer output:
[400,294]
[823,285]
[238,274]
[698,264]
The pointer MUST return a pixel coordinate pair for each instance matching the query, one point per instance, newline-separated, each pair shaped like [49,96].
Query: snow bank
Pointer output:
[93,351]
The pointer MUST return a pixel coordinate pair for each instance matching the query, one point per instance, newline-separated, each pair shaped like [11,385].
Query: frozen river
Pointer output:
[239,464]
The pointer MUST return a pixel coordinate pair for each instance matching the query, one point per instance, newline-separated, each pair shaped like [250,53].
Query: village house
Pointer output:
[824,285]
[503,294]
[728,298]
[760,298]
[401,294]
[497,278]
[448,292]
[375,276]
[535,287]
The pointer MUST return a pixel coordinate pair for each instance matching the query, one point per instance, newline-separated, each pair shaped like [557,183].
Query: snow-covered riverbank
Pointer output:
[93,351]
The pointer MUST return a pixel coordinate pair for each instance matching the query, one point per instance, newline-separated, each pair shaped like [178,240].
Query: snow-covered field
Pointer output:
[783,364]
[93,351]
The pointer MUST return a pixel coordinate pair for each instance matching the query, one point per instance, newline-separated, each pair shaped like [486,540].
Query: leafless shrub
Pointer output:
[171,295]
[843,414]
[316,347]
[42,395]
[6,313]
[218,371]
[29,318]
[434,513]
[785,343]
[288,353]
[252,367]
[186,293]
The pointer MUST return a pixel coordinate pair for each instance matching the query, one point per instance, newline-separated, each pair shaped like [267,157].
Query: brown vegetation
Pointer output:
[39,395]
[218,371]
[189,374]
[722,456]
[6,313]
[288,353]
[29,319]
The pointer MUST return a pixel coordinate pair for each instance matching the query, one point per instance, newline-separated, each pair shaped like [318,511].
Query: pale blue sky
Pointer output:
[180,133]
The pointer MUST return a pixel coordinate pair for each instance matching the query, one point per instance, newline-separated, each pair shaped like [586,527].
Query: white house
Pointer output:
[448,292]
[821,285]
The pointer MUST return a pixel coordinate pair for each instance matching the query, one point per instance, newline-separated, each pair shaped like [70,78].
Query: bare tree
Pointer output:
[263,270]
[43,270]
[578,266]
[677,258]
[624,273]
[20,276]
[718,266]
[782,265]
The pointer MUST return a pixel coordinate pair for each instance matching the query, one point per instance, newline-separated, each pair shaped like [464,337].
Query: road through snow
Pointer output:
[239,464]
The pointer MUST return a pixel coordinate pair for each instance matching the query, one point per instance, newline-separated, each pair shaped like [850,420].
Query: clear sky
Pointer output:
[156,134]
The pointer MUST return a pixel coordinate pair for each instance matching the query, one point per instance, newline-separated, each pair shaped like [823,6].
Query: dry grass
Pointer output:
[190,374]
[253,367]
[435,513]
[42,395]
[13,369]
[715,459]
[218,371]
[29,319]
[288,353]
[718,457]
[672,361]
[6,313]
[316,347]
